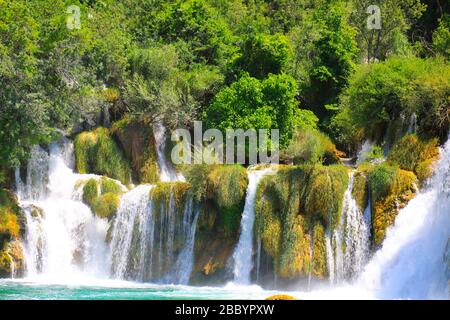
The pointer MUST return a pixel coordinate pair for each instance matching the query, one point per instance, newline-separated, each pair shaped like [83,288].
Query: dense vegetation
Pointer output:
[237,63]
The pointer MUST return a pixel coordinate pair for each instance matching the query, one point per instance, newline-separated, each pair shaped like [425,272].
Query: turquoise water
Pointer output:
[118,290]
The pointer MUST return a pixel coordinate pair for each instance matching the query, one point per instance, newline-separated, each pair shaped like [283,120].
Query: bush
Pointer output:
[310,146]
[381,95]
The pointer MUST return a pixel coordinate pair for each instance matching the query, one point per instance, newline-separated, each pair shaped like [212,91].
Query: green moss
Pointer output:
[9,222]
[105,206]
[137,140]
[391,189]
[292,204]
[221,189]
[413,154]
[109,186]
[360,191]
[97,152]
[102,196]
[12,257]
[319,259]
[90,191]
[226,185]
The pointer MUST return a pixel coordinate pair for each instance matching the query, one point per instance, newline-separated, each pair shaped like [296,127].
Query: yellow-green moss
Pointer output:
[102,196]
[359,190]
[97,152]
[109,186]
[9,224]
[391,189]
[105,206]
[12,257]
[227,186]
[137,140]
[291,205]
[281,297]
[319,259]
[90,191]
[221,189]
[414,154]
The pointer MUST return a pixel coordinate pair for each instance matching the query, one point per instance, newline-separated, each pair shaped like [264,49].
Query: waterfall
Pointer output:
[134,215]
[143,238]
[183,266]
[357,233]
[167,171]
[365,149]
[411,262]
[242,254]
[348,246]
[63,238]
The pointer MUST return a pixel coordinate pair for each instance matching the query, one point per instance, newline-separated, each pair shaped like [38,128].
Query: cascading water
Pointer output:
[243,252]
[411,262]
[167,171]
[183,266]
[134,217]
[365,149]
[63,238]
[143,237]
[348,246]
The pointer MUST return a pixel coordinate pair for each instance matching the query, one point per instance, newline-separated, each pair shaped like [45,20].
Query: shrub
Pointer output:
[310,146]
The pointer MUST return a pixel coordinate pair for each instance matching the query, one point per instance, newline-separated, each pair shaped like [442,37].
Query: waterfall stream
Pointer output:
[348,246]
[63,238]
[243,252]
[167,171]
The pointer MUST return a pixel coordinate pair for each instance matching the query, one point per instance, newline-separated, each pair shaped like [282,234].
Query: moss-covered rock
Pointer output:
[90,191]
[12,261]
[391,189]
[97,152]
[102,196]
[9,222]
[319,267]
[414,154]
[11,255]
[137,140]
[105,205]
[221,189]
[360,190]
[294,207]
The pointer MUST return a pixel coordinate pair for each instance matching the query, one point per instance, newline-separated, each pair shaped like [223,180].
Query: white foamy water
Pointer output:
[243,252]
[167,172]
[63,237]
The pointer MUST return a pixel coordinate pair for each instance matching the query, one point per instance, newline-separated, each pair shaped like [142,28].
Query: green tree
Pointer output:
[261,55]
[258,104]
